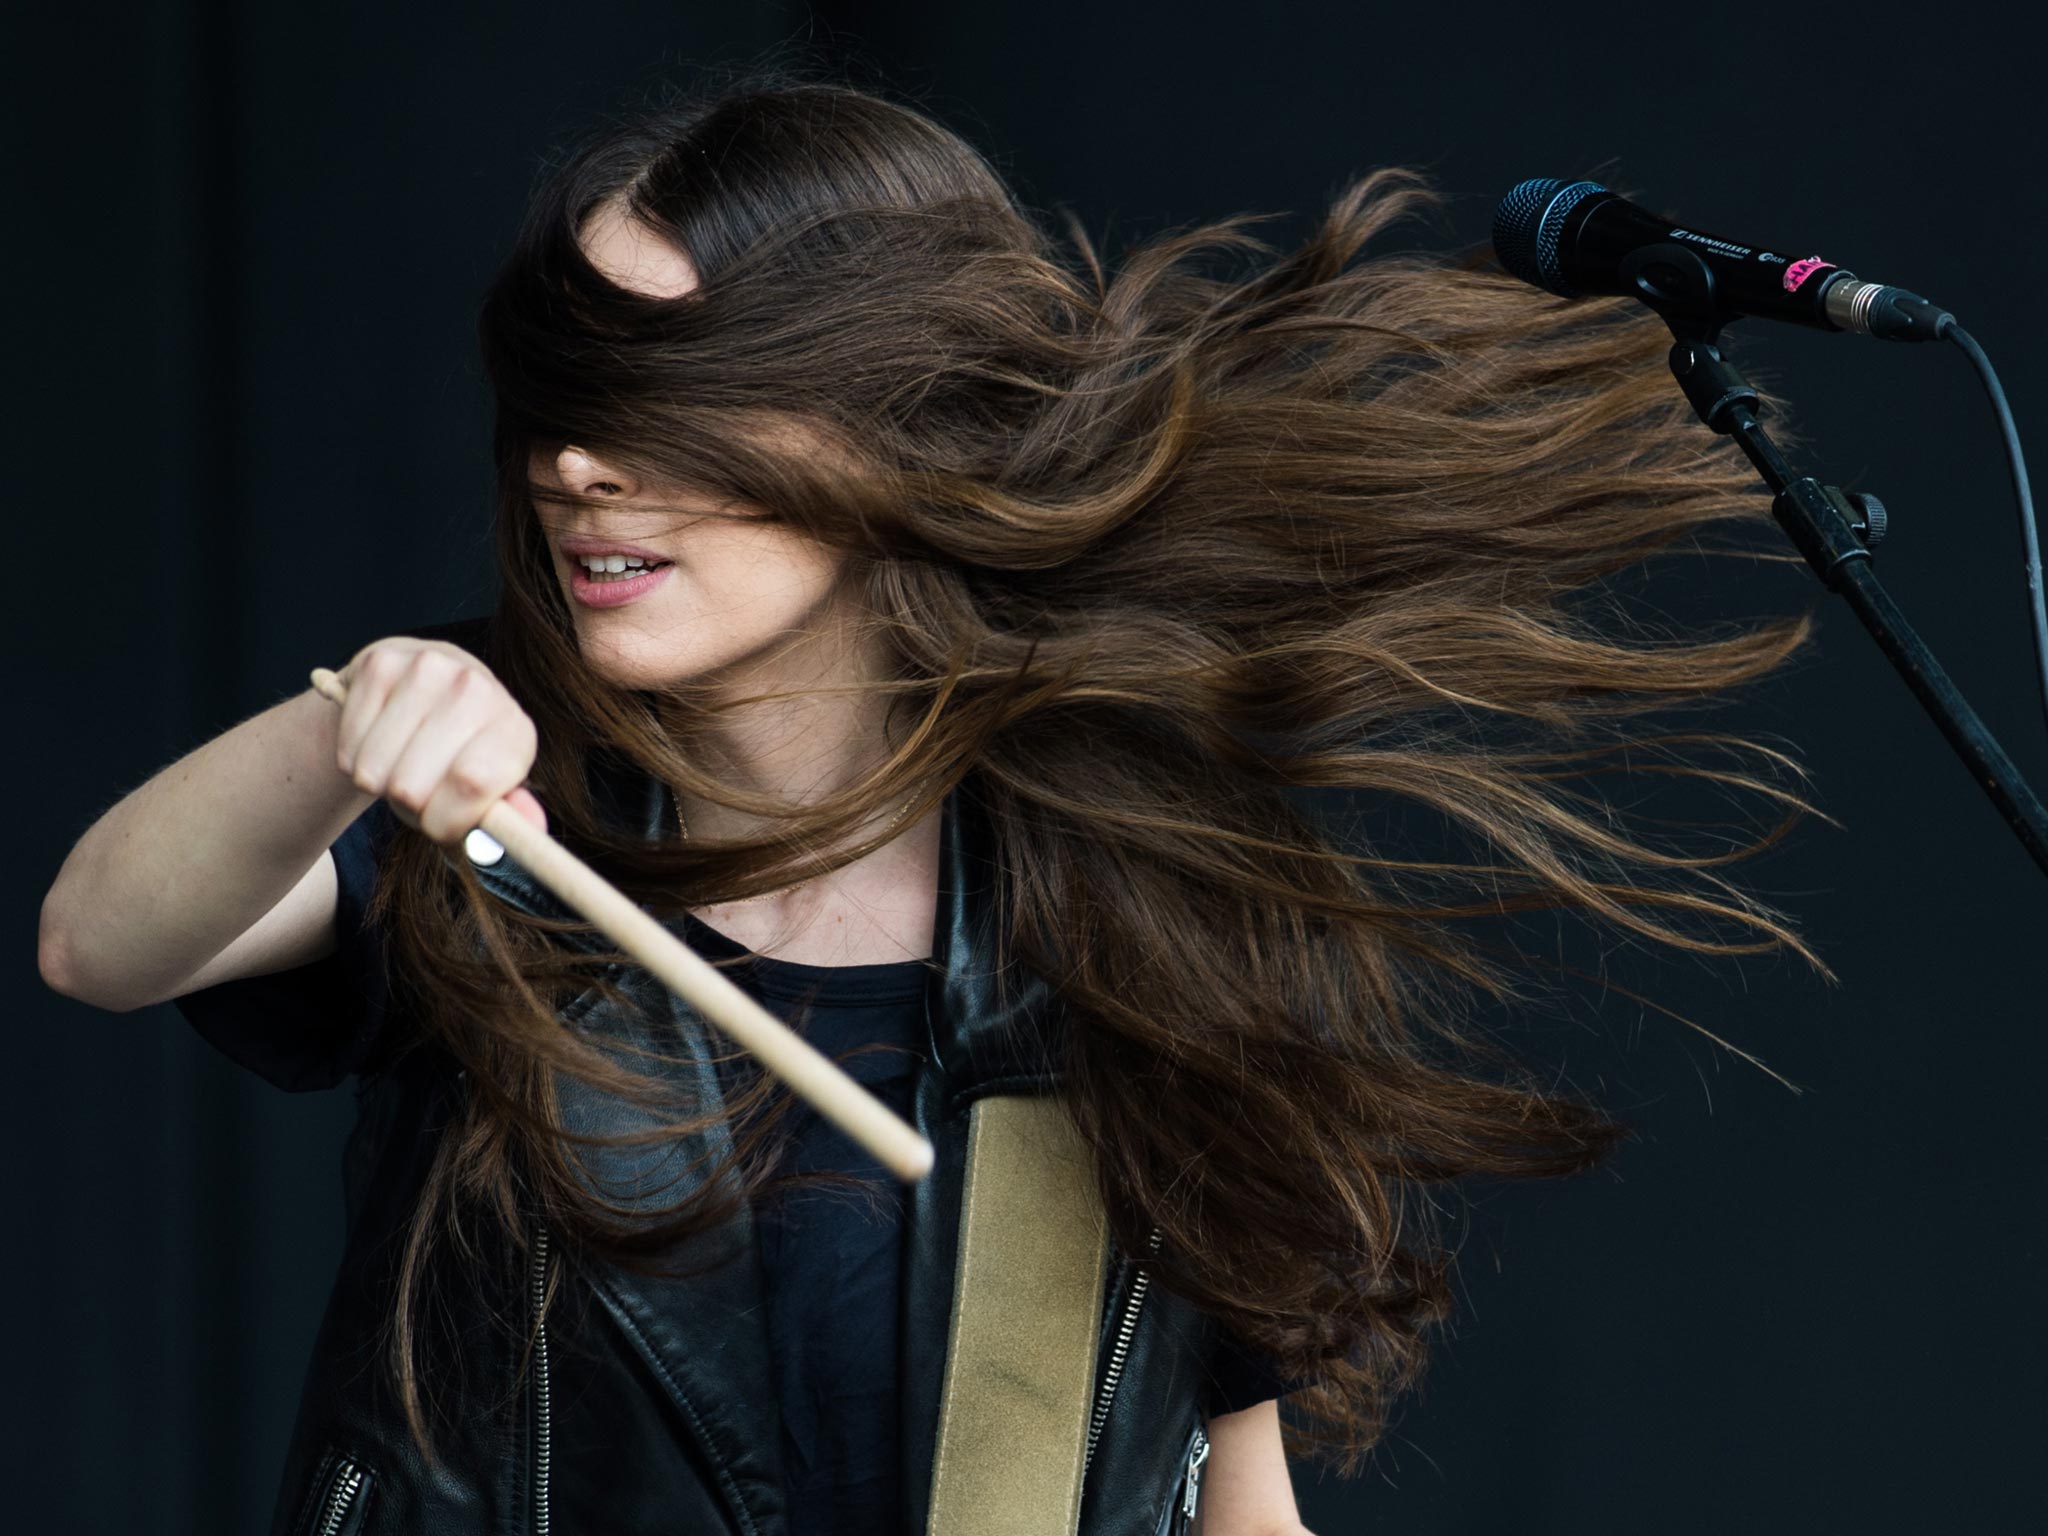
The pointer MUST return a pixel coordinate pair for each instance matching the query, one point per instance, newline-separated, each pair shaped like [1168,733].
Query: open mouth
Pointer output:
[595,583]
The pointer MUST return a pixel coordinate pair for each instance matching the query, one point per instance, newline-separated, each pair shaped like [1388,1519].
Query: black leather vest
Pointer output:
[648,1406]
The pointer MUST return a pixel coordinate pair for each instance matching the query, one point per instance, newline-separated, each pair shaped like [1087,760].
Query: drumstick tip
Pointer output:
[917,1162]
[328,684]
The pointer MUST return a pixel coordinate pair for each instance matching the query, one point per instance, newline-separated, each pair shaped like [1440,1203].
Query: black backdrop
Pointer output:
[246,247]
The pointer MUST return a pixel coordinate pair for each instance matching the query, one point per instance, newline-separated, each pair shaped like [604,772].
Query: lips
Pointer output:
[618,590]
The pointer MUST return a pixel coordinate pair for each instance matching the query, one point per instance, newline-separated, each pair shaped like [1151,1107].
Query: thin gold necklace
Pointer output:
[683,826]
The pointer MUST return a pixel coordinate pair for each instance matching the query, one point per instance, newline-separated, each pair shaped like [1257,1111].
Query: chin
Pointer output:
[628,659]
[627,667]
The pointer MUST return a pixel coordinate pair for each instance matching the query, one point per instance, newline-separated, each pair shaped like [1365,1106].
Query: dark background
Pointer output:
[248,436]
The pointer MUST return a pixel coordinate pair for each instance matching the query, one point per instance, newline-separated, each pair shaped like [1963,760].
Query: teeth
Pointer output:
[613,565]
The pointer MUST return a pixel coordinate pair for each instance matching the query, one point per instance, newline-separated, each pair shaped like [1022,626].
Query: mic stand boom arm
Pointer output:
[1832,529]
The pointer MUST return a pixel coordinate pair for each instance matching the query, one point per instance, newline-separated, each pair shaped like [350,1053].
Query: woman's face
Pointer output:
[713,591]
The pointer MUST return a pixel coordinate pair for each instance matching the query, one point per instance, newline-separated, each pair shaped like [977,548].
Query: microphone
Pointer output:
[1578,238]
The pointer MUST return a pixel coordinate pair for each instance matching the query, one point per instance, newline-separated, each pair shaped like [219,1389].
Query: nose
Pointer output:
[589,475]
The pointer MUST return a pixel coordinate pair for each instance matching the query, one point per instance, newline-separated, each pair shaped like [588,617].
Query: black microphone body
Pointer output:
[1577,238]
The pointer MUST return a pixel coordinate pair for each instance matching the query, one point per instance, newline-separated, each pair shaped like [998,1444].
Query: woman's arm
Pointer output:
[1245,1487]
[227,846]
[218,866]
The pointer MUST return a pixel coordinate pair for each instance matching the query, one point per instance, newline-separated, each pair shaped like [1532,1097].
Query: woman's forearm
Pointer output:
[180,867]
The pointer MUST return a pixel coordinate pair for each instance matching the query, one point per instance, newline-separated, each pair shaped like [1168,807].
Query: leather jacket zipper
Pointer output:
[1118,1350]
[1192,1479]
[342,1490]
[537,1283]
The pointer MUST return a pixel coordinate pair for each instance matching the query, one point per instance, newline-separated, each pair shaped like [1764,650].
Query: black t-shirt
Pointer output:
[832,1258]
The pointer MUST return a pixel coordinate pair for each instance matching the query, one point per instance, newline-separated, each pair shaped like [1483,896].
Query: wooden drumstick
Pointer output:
[809,1073]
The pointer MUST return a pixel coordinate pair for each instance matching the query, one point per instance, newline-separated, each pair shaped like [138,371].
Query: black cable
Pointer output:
[2030,534]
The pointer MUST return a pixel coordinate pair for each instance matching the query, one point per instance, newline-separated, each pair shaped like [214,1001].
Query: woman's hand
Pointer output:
[431,729]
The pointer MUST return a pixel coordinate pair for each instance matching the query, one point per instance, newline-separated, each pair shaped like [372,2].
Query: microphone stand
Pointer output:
[1833,529]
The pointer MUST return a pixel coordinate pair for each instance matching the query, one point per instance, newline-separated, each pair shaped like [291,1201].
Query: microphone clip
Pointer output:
[1678,284]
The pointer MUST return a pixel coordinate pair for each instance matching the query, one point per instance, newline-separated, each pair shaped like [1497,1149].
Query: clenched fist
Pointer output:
[432,730]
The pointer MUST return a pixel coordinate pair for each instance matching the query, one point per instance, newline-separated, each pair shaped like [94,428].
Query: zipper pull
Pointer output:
[1196,1457]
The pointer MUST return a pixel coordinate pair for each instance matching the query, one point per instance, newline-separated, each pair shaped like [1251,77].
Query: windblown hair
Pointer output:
[1156,551]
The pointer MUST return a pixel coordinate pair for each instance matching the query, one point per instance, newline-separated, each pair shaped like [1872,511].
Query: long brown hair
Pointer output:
[1158,552]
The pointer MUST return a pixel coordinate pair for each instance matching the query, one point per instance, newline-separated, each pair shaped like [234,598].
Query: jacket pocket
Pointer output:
[338,1502]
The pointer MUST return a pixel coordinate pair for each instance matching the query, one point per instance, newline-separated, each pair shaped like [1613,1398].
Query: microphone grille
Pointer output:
[1527,225]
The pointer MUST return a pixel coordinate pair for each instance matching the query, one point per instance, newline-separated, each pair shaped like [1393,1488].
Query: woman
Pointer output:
[932,630]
